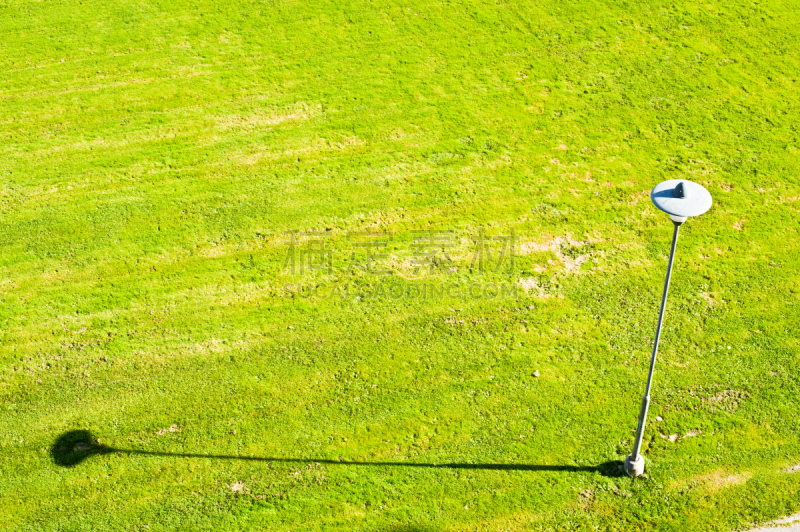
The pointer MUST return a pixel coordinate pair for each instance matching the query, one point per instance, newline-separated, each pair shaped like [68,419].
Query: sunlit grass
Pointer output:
[155,158]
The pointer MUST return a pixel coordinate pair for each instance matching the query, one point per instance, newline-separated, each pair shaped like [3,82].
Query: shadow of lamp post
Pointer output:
[73,447]
[681,200]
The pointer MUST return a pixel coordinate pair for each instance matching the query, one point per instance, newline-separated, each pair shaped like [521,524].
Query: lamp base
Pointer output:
[634,468]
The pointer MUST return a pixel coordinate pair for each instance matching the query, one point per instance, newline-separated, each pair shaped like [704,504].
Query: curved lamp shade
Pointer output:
[678,197]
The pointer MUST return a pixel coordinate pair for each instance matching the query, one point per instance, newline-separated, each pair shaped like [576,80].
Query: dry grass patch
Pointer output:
[308,148]
[719,480]
[672,438]
[727,400]
[711,298]
[269,117]
[715,480]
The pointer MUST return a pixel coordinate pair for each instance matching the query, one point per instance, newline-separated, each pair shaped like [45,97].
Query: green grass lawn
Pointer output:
[157,159]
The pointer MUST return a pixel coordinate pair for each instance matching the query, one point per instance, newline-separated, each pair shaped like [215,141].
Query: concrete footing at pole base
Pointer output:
[634,467]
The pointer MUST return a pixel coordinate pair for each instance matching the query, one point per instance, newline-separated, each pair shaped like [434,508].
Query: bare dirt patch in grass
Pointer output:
[572,253]
[167,430]
[530,284]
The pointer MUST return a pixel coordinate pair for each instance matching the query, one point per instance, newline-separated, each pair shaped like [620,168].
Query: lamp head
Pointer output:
[681,199]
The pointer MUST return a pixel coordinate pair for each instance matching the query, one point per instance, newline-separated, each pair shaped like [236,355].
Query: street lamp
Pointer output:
[680,199]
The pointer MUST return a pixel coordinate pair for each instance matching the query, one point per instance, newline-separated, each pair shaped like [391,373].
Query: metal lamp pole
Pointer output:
[681,200]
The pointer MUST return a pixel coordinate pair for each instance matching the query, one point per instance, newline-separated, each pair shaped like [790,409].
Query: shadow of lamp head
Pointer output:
[75,446]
